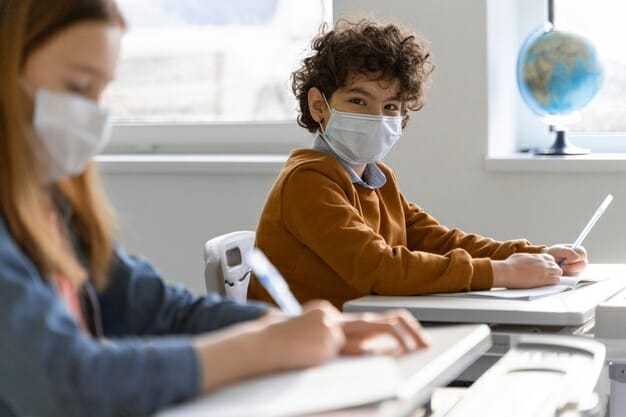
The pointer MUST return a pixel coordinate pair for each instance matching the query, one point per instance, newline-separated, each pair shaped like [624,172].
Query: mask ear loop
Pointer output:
[329,109]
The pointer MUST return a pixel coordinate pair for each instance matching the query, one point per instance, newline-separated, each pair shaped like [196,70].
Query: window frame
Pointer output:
[190,138]
[237,137]
[508,24]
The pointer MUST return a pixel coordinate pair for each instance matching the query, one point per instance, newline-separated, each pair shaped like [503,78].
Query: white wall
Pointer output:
[168,217]
[439,162]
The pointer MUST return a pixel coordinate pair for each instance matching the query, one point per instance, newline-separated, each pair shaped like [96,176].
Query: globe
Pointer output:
[558,72]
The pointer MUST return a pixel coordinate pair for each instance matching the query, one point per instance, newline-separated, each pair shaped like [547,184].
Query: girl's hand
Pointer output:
[392,332]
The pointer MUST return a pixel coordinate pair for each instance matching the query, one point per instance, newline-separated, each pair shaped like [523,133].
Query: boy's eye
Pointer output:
[391,107]
[358,101]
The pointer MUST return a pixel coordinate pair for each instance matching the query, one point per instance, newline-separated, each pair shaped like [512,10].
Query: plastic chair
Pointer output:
[226,271]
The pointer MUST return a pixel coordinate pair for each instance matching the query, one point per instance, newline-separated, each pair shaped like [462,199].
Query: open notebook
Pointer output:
[348,381]
[566,283]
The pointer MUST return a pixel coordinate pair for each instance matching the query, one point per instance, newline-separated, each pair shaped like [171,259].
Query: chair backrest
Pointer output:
[225,270]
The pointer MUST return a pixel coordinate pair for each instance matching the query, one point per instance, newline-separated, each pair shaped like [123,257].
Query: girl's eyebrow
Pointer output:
[91,71]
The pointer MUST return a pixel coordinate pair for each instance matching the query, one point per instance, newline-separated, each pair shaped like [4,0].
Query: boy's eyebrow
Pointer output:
[367,94]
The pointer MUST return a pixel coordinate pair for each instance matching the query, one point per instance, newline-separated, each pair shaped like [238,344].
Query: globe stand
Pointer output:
[561,147]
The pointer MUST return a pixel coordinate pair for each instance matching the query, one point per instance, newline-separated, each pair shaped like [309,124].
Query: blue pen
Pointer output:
[273,282]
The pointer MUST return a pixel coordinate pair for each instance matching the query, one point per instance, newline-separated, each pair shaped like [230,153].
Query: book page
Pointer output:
[566,283]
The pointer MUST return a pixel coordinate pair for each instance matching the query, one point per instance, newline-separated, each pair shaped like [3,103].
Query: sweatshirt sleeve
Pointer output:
[138,301]
[317,211]
[425,233]
[50,367]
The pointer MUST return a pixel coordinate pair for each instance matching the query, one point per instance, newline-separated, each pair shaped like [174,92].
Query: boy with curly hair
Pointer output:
[336,224]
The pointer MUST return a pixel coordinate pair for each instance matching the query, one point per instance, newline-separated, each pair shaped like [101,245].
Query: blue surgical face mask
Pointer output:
[71,129]
[361,138]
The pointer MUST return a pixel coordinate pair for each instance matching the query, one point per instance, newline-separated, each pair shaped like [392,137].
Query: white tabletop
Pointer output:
[348,382]
[570,308]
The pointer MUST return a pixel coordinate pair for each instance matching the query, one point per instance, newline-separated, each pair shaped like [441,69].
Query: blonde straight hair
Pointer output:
[25,202]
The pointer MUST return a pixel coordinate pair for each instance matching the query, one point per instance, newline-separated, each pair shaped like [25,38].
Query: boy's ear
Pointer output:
[317,105]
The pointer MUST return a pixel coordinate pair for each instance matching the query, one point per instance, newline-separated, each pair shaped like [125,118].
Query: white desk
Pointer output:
[567,313]
[349,382]
[540,375]
[570,309]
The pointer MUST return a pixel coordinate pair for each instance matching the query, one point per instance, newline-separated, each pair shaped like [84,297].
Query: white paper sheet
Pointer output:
[566,283]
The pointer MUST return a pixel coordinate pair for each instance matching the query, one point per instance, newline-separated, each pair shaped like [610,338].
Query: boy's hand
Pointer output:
[526,270]
[572,262]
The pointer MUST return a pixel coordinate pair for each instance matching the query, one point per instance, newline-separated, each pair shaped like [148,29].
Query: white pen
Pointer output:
[589,226]
[273,282]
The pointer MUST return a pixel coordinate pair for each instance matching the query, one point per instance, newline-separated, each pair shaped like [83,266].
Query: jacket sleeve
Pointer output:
[138,301]
[425,233]
[316,210]
[50,367]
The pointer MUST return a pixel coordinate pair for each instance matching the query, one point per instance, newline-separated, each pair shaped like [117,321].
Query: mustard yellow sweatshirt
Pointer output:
[334,240]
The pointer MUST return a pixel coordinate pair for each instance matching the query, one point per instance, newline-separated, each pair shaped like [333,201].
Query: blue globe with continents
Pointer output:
[558,72]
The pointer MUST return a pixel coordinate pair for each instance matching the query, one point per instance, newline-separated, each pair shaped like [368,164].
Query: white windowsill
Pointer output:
[271,164]
[527,162]
[190,163]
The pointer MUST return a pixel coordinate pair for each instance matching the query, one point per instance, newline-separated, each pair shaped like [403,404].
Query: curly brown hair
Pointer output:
[363,47]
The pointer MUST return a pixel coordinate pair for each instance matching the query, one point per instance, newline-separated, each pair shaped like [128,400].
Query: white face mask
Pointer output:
[361,138]
[72,130]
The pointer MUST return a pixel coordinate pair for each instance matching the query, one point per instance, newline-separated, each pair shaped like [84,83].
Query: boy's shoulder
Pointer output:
[313,160]
[312,170]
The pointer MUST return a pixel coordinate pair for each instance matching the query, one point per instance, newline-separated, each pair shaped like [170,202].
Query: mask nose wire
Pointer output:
[404,116]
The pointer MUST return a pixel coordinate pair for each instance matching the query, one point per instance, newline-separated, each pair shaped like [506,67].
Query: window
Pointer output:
[199,71]
[602,125]
[603,23]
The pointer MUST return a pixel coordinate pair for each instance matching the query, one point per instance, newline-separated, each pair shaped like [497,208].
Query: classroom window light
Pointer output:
[212,61]
[602,21]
